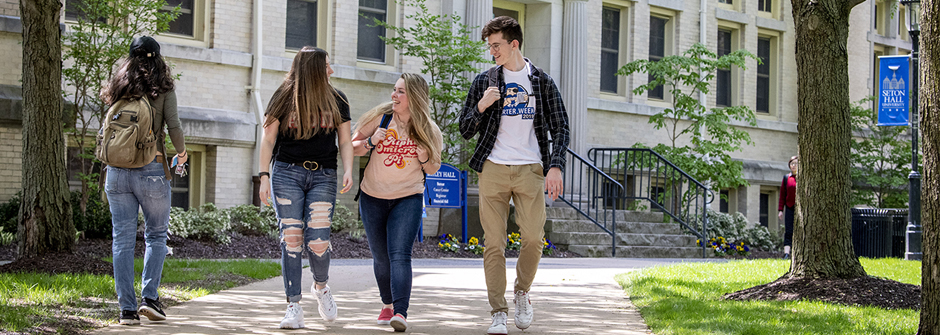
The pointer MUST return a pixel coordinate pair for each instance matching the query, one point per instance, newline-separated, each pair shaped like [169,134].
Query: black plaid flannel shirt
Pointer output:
[550,118]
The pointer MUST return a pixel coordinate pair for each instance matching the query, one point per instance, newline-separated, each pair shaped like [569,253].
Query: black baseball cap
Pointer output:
[147,44]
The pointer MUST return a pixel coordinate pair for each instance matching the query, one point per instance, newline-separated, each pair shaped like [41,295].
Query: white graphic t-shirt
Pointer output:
[516,143]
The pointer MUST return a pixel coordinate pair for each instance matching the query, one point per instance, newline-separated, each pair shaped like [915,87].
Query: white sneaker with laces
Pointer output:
[327,306]
[294,318]
[499,324]
[523,317]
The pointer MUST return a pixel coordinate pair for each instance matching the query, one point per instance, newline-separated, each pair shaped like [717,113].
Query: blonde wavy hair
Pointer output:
[422,130]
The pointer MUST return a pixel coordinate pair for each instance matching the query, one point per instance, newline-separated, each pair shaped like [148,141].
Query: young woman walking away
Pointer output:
[407,147]
[143,75]
[298,170]
[787,204]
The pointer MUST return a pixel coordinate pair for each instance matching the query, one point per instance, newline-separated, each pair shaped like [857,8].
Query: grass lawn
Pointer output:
[43,302]
[685,299]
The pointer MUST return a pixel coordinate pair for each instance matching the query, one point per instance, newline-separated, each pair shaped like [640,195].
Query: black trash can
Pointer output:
[872,234]
[899,231]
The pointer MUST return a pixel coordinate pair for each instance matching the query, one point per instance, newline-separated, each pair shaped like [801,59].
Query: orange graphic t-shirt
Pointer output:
[394,171]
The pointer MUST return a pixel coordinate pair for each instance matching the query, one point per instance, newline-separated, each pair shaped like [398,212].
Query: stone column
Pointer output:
[479,12]
[573,83]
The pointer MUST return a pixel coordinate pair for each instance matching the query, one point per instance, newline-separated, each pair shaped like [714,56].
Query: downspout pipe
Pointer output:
[702,30]
[255,88]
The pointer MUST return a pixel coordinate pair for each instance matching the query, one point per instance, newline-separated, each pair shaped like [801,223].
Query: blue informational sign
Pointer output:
[893,90]
[443,188]
[447,189]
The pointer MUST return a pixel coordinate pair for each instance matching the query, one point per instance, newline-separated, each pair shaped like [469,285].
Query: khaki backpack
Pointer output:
[126,138]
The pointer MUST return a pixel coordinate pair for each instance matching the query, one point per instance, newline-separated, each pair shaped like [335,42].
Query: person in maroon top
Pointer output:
[787,202]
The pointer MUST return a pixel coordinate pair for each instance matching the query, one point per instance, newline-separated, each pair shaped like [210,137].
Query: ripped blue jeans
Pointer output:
[303,201]
[130,190]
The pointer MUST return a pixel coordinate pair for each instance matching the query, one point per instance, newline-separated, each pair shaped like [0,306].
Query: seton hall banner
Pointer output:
[893,93]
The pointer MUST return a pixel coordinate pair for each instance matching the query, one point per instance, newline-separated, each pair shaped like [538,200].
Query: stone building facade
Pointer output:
[214,48]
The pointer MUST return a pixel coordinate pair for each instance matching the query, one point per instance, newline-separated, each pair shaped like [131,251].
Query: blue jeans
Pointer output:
[303,201]
[145,188]
[391,227]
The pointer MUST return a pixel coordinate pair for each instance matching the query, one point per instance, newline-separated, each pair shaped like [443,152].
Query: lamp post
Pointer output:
[914,229]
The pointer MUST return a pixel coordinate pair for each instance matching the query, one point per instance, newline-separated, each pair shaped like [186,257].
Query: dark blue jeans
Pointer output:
[303,201]
[131,190]
[392,226]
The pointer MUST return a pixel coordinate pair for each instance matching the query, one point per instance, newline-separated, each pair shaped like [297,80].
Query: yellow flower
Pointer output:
[447,245]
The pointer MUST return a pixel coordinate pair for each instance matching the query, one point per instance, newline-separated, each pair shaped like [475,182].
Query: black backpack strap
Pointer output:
[386,119]
[492,77]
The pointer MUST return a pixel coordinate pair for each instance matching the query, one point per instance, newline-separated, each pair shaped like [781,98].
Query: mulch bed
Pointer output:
[87,254]
[865,291]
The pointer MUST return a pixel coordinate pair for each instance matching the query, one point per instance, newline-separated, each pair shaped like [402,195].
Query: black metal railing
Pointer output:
[643,176]
[583,187]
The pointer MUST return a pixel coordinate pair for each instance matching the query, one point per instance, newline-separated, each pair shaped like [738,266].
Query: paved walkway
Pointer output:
[570,296]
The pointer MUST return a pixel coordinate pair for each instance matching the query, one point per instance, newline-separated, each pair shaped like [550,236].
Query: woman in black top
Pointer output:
[298,169]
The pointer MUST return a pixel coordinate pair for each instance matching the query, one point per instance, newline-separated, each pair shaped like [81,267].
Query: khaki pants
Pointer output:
[525,184]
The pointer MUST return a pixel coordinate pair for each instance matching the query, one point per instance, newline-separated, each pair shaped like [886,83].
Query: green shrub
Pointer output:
[251,220]
[733,228]
[96,222]
[9,214]
[6,238]
[344,219]
[206,222]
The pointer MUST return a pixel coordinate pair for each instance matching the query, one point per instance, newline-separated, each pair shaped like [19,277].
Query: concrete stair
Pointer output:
[639,235]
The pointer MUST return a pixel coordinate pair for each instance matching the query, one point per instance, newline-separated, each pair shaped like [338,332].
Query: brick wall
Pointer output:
[10,7]
[212,85]
[233,173]
[11,51]
[232,24]
[11,163]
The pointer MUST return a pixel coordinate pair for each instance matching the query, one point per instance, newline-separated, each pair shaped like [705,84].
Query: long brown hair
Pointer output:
[307,93]
[137,77]
[421,129]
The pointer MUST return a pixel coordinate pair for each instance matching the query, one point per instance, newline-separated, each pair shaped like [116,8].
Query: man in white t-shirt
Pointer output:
[518,112]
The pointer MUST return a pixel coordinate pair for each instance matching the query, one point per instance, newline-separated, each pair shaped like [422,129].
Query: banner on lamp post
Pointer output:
[893,90]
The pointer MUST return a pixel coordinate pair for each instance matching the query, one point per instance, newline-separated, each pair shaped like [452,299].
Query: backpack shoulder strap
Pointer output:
[492,76]
[386,119]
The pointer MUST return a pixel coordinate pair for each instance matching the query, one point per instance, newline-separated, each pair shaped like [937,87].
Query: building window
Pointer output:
[723,87]
[764,209]
[902,19]
[763,75]
[764,6]
[610,49]
[185,23]
[657,50]
[301,24]
[370,45]
[725,197]
[727,2]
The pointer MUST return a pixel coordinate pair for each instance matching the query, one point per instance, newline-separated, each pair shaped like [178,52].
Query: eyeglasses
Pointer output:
[494,46]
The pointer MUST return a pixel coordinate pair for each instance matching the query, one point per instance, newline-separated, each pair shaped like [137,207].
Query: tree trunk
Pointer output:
[822,237]
[45,214]
[929,104]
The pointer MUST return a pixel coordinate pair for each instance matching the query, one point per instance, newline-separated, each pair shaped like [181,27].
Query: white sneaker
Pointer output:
[294,318]
[523,317]
[327,306]
[499,324]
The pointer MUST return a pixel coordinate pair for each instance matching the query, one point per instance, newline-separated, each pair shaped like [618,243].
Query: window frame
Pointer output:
[623,46]
[773,74]
[734,72]
[323,34]
[773,13]
[668,50]
[200,36]
[732,5]
[391,56]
